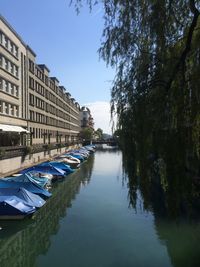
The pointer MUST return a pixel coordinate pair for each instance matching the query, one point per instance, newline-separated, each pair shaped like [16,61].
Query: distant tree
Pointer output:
[99,133]
[86,134]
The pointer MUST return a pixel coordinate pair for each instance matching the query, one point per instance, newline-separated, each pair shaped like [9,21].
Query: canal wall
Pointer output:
[15,164]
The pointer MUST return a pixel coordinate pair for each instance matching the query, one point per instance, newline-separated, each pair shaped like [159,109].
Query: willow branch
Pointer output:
[187,48]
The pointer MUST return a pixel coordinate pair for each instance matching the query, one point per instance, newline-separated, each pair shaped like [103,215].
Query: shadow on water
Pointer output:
[22,241]
[181,240]
[167,180]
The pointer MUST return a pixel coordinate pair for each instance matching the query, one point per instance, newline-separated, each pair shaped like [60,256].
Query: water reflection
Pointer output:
[182,242]
[166,187]
[164,182]
[21,242]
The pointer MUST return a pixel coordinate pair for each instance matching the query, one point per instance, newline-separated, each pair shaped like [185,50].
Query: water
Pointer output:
[89,222]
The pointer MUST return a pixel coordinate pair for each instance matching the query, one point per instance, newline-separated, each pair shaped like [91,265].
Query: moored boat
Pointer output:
[13,208]
[61,165]
[33,188]
[46,169]
[28,177]
[69,160]
[26,197]
[75,155]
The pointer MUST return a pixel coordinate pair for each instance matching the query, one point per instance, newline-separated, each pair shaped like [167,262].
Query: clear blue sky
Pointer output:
[67,43]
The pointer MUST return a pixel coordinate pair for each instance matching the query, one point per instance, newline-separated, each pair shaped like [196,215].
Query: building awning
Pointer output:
[12,128]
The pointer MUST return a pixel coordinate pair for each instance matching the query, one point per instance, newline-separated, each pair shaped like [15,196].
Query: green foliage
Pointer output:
[2,152]
[28,150]
[99,133]
[154,45]
[48,146]
[86,134]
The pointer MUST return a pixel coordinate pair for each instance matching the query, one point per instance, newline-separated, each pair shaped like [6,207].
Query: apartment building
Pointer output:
[34,107]
[86,118]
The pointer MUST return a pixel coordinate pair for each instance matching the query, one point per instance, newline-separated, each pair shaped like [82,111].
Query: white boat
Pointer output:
[70,160]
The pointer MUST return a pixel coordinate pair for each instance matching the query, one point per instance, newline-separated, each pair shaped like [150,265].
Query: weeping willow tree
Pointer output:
[155,47]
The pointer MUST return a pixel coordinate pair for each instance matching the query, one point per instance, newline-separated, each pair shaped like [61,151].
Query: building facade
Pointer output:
[34,107]
[87,120]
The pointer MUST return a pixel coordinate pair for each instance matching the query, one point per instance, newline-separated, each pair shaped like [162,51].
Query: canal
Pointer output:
[89,222]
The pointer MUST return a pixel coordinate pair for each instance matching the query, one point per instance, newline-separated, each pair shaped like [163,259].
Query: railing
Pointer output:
[12,151]
[16,151]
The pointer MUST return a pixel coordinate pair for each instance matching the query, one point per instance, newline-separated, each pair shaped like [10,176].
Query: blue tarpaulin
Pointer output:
[45,169]
[25,196]
[12,207]
[26,177]
[60,165]
[33,188]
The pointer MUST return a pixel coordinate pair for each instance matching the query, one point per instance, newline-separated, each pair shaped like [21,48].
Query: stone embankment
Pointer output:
[15,164]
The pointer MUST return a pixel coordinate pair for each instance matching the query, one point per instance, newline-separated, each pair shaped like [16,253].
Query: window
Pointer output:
[32,115]
[1,37]
[16,71]
[6,84]
[12,89]
[6,41]
[36,102]
[6,65]
[9,66]
[12,110]
[17,91]
[12,68]
[11,47]
[9,87]
[17,111]
[46,80]
[16,51]
[31,83]
[31,66]
[1,83]
[1,60]
[31,99]
[6,108]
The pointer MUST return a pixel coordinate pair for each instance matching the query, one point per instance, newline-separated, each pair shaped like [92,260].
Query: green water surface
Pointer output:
[88,222]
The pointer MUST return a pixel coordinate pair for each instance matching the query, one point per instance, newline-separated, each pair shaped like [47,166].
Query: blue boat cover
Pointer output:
[33,188]
[60,165]
[45,169]
[42,181]
[26,197]
[27,178]
[13,206]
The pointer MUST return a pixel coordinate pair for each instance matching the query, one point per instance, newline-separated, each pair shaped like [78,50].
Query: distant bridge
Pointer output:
[109,142]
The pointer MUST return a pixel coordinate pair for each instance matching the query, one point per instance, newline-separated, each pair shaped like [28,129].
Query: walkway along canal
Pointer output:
[89,222]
